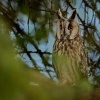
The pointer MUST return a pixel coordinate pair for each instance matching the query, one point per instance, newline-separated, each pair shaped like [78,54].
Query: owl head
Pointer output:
[67,28]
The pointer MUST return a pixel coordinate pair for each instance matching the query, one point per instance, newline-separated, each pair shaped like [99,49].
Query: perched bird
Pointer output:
[69,59]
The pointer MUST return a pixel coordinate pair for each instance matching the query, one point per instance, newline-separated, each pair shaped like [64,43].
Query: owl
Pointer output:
[69,58]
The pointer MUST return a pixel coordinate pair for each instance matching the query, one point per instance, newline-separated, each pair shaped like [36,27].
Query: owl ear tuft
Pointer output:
[59,14]
[73,15]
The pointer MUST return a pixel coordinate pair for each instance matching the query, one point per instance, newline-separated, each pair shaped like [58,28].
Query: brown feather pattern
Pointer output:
[69,59]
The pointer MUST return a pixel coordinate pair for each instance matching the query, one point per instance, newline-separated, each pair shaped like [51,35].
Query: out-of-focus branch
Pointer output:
[49,53]
[87,4]
[41,9]
[30,57]
[13,24]
[85,27]
[45,5]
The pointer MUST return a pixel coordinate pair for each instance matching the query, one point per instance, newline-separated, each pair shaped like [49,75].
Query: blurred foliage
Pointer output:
[34,27]
[18,82]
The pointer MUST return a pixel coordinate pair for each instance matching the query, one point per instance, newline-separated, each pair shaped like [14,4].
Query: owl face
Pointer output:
[67,28]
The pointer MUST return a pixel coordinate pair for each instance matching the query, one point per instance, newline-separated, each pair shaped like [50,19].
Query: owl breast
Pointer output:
[69,60]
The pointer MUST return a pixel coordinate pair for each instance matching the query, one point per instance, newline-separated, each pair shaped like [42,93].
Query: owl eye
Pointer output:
[70,27]
[60,26]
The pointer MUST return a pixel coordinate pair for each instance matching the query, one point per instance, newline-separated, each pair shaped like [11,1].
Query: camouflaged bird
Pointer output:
[69,59]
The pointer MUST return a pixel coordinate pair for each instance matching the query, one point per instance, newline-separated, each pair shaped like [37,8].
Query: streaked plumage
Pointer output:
[69,58]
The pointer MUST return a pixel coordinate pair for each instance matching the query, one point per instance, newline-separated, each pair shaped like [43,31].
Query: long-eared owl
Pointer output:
[69,59]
